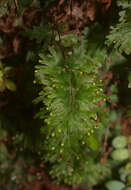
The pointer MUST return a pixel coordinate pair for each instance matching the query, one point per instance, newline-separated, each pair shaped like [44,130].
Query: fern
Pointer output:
[71,93]
[120,35]
[38,33]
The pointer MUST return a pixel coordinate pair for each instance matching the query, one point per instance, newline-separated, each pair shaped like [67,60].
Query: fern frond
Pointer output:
[72,91]
[120,35]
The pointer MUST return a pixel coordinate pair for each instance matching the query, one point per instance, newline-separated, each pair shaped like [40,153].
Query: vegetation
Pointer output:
[65,104]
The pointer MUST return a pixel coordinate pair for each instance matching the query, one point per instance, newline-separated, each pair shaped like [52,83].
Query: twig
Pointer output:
[16,6]
[106,153]
[71,8]
[16,3]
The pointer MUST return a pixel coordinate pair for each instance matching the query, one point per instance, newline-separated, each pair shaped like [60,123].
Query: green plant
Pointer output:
[62,86]
[119,142]
[5,81]
[120,34]
[72,88]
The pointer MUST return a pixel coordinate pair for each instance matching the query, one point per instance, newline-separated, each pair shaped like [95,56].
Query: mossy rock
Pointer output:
[119,142]
[120,154]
